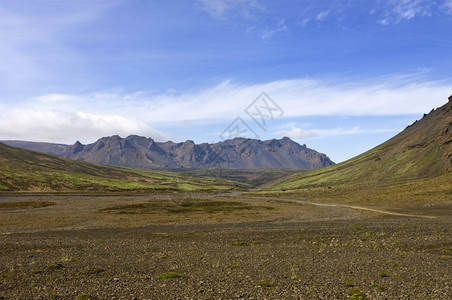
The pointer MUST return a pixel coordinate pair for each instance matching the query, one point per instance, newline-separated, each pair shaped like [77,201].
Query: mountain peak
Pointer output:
[287,140]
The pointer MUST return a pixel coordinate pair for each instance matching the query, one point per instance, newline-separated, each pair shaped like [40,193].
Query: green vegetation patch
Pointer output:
[25,204]
[53,267]
[252,177]
[349,284]
[383,274]
[447,250]
[266,283]
[213,206]
[49,268]
[54,294]
[356,293]
[187,206]
[83,296]
[170,275]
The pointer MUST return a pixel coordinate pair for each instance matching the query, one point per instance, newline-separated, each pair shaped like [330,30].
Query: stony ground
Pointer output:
[363,255]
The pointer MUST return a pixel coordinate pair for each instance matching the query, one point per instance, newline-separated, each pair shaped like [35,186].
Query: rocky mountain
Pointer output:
[422,151]
[239,153]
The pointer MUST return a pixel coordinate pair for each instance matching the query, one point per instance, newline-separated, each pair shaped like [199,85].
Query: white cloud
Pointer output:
[387,95]
[448,6]
[383,22]
[65,118]
[221,8]
[322,16]
[402,10]
[51,98]
[67,127]
[296,133]
[390,95]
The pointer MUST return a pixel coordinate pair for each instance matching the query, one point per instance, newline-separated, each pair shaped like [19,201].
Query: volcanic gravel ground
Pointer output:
[377,258]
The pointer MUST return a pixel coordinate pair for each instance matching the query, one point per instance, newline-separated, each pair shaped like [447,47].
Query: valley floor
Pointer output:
[183,247]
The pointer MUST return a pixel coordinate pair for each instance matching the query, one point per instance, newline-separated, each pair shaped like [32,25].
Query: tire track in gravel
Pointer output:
[381,211]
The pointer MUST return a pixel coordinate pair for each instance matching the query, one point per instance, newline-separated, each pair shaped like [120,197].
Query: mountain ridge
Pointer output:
[145,153]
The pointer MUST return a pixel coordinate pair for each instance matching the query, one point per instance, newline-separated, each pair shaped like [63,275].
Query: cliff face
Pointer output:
[140,152]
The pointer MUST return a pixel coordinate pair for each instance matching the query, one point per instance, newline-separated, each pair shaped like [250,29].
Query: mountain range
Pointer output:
[145,153]
[415,165]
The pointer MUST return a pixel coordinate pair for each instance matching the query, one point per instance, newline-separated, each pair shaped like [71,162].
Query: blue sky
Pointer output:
[344,75]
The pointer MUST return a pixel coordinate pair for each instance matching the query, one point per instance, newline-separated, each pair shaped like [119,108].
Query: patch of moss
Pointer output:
[83,296]
[356,293]
[349,284]
[266,283]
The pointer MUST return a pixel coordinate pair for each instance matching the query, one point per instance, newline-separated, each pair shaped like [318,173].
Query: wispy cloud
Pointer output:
[448,6]
[268,34]
[66,117]
[222,8]
[322,16]
[67,127]
[36,45]
[52,98]
[304,22]
[402,10]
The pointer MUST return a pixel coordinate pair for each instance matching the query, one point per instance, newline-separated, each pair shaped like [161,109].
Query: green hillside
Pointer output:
[29,171]
[253,177]
[422,151]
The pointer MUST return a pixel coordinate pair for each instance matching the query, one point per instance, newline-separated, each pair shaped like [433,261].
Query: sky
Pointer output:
[339,76]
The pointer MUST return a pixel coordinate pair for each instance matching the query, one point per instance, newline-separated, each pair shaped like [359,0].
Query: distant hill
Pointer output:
[420,152]
[144,153]
[30,171]
[49,148]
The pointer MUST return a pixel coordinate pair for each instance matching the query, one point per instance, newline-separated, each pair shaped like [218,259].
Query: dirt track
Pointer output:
[379,211]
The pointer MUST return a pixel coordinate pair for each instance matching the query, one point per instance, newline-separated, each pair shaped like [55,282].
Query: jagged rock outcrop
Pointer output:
[240,153]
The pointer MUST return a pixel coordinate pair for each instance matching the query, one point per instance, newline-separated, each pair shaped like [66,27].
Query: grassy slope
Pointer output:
[24,170]
[412,167]
[422,151]
[254,177]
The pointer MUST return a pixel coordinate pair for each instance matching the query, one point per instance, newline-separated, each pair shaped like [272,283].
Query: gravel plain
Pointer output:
[344,255]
